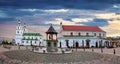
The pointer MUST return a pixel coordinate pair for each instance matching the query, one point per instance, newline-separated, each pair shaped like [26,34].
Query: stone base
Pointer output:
[44,51]
[52,46]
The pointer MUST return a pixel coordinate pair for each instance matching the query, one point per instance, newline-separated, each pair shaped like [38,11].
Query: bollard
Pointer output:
[63,51]
[84,49]
[101,50]
[114,51]
[19,47]
[26,47]
[72,50]
[92,50]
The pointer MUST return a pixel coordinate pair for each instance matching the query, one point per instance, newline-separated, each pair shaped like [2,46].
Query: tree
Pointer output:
[5,42]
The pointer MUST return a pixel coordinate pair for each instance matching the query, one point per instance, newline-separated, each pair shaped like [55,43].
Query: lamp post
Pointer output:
[101,50]
[18,46]
[114,51]
[92,49]
[84,48]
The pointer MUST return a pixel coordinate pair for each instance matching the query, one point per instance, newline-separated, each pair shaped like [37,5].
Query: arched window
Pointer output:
[79,34]
[87,34]
[24,29]
[71,34]
[18,27]
[55,44]
[24,38]
[103,34]
[100,35]
[94,34]
[49,44]
[36,38]
[17,31]
[28,37]
[26,41]
[22,41]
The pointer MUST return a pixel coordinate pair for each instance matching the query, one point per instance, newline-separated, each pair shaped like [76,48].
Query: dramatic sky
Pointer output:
[39,14]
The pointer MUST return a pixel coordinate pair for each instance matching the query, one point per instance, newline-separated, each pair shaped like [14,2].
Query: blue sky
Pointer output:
[10,10]
[102,13]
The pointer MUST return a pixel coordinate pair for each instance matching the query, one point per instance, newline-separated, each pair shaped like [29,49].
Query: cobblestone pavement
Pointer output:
[105,50]
[26,57]
[79,57]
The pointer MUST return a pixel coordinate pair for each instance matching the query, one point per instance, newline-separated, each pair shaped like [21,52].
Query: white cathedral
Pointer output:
[23,37]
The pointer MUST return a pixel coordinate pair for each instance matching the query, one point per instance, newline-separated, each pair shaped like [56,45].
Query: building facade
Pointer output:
[23,37]
[81,36]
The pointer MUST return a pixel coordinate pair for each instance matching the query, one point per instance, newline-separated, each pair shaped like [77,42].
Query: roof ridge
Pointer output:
[81,28]
[78,25]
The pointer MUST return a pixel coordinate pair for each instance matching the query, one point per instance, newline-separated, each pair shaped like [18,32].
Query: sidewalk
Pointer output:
[96,50]
[105,50]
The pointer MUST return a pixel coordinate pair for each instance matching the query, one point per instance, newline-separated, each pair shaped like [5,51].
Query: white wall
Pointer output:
[39,40]
[71,41]
[83,33]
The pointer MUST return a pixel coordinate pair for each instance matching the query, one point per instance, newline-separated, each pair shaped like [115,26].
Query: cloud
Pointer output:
[115,8]
[82,19]
[42,18]
[11,15]
[95,22]
[57,4]
[6,20]
[58,10]
[113,28]
[57,21]
[108,16]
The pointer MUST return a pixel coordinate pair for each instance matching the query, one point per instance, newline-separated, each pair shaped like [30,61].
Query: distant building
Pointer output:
[13,41]
[115,41]
[23,37]
[0,42]
[81,36]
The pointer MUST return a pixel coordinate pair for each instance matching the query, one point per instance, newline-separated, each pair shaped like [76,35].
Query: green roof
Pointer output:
[78,37]
[29,39]
[32,34]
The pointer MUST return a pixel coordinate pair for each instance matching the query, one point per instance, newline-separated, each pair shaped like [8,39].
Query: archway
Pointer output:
[60,45]
[67,44]
[87,43]
[96,44]
[77,45]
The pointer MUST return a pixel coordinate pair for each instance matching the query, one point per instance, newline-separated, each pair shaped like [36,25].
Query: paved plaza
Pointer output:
[23,56]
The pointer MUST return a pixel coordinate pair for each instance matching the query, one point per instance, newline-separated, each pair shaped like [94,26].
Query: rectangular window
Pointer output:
[22,41]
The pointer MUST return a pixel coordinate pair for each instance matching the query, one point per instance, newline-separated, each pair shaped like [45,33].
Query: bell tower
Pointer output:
[51,38]
[19,33]
[24,28]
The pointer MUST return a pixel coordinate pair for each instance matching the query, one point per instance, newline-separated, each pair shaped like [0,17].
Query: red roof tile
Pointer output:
[81,28]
